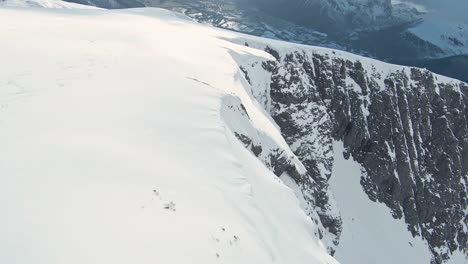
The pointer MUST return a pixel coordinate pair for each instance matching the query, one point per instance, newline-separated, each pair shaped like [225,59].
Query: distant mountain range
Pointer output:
[416,33]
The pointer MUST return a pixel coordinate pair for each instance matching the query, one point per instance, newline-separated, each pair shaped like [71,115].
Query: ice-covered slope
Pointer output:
[115,130]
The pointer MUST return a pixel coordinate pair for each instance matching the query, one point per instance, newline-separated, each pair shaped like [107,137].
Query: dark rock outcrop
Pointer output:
[407,127]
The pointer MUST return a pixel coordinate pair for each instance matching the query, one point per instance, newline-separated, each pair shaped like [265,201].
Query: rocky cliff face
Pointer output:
[407,127]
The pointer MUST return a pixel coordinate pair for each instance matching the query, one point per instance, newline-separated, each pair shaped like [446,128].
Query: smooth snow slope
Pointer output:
[370,235]
[114,149]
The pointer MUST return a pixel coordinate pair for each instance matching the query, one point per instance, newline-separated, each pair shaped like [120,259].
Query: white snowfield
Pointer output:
[114,150]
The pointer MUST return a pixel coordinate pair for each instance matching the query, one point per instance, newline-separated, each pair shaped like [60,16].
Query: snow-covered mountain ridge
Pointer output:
[137,150]
[425,33]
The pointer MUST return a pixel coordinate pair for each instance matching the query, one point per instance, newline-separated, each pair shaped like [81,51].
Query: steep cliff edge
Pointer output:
[406,127]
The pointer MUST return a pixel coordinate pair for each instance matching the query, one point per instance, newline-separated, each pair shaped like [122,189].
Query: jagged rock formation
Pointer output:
[407,127]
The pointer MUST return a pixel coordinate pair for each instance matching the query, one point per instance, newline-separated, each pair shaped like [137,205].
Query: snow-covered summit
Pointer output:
[116,146]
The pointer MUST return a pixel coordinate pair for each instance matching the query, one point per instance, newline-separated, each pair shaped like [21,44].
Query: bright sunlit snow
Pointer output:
[114,149]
